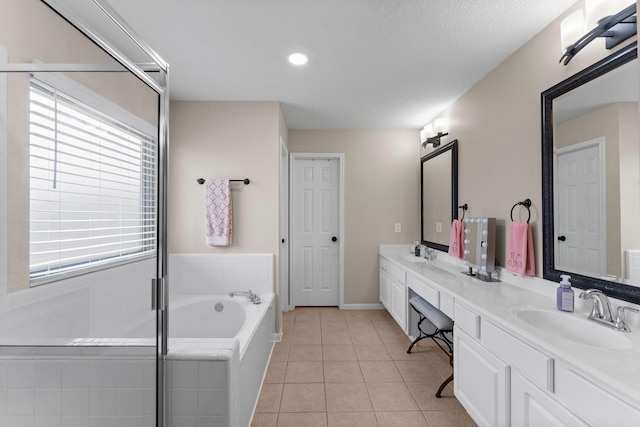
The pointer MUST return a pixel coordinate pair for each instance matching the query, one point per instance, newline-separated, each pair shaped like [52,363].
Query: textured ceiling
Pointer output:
[374,64]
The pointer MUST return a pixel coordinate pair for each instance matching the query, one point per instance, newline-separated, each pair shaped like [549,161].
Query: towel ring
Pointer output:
[464,209]
[527,204]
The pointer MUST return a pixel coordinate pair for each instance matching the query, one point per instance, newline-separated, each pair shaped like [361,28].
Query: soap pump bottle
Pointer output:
[565,294]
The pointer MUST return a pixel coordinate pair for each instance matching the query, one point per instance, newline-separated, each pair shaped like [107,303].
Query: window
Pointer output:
[92,183]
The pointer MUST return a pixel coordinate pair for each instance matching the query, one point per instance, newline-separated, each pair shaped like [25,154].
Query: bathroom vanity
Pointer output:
[517,360]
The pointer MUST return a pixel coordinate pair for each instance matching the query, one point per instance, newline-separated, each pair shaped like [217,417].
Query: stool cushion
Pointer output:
[433,315]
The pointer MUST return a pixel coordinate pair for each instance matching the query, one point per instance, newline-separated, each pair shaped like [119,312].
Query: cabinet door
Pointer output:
[399,303]
[533,407]
[385,285]
[480,382]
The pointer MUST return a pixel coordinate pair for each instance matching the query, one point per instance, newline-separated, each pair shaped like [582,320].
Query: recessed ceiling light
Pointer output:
[298,58]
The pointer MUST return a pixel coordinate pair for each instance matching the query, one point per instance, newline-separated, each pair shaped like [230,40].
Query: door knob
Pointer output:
[282,240]
[562,238]
[334,239]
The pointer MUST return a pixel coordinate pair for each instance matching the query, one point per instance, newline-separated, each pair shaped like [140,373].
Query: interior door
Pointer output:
[315,232]
[580,237]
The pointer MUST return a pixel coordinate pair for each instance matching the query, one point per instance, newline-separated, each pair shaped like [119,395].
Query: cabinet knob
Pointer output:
[562,238]
[334,239]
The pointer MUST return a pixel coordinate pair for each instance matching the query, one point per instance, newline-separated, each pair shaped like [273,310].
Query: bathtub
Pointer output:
[217,359]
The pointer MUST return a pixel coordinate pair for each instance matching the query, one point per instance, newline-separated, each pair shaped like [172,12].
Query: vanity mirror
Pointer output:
[439,195]
[591,177]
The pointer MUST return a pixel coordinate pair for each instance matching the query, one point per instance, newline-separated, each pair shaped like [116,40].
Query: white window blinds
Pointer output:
[92,181]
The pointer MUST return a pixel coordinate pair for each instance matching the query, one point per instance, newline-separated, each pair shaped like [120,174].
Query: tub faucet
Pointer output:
[249,294]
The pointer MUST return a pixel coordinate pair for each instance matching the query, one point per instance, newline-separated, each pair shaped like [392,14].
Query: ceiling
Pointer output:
[374,64]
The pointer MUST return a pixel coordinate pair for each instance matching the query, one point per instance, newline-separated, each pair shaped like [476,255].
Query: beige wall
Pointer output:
[381,184]
[497,123]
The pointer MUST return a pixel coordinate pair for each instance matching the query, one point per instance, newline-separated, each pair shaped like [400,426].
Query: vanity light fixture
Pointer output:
[614,28]
[432,132]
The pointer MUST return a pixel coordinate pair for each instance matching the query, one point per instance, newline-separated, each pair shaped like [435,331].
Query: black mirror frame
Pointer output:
[453,146]
[612,289]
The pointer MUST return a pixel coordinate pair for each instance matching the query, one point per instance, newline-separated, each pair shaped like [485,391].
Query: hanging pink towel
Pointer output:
[521,257]
[218,212]
[456,239]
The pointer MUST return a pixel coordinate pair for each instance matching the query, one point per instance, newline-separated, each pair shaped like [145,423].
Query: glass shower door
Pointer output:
[82,256]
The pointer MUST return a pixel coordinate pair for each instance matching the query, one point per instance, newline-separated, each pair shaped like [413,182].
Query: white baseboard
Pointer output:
[276,337]
[377,306]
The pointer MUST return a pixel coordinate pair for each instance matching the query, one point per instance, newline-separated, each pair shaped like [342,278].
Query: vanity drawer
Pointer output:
[399,274]
[532,363]
[446,304]
[467,320]
[425,291]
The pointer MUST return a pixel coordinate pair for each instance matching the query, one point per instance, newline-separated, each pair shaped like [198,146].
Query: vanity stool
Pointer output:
[443,330]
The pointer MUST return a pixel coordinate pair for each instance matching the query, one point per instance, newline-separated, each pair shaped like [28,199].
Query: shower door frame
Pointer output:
[159,286]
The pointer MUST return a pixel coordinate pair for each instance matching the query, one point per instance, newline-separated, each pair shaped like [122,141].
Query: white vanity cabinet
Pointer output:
[385,284]
[393,291]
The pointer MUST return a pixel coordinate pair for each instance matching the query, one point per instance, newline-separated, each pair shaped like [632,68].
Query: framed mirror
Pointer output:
[591,177]
[439,195]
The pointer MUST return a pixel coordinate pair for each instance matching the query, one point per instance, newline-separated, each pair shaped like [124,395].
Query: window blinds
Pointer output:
[92,182]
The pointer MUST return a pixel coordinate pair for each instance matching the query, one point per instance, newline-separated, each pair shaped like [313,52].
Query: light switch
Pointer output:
[398,227]
[438,227]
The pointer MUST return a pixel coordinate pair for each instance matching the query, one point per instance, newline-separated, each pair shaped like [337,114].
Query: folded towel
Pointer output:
[456,239]
[218,212]
[521,258]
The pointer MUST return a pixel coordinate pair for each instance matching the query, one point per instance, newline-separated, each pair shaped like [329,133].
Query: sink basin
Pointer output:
[415,259]
[576,329]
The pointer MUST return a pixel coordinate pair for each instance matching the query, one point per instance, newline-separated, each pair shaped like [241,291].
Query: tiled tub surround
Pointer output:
[216,381]
[219,274]
[589,385]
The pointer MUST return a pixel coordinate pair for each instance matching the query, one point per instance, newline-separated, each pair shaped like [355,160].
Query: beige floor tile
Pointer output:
[335,336]
[334,325]
[303,398]
[380,371]
[342,372]
[441,365]
[288,316]
[417,370]
[389,337]
[331,314]
[305,353]
[338,353]
[352,419]
[306,333]
[455,418]
[264,420]
[425,395]
[304,372]
[280,352]
[391,397]
[347,397]
[380,315]
[275,372]
[307,314]
[365,335]
[307,419]
[371,352]
[270,397]
[401,419]
[399,352]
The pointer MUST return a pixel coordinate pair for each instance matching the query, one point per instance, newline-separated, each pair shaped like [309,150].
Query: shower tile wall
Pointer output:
[76,391]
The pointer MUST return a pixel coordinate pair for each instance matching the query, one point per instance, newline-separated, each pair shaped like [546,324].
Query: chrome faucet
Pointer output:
[430,253]
[602,312]
[255,298]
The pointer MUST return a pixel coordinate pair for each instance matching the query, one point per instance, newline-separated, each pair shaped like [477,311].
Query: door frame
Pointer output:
[599,143]
[293,158]
[284,272]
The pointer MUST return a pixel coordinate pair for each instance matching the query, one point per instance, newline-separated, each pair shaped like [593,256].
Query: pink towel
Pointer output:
[218,211]
[456,239]
[521,257]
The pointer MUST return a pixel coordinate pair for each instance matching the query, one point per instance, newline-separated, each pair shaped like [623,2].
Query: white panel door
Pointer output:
[579,235]
[315,269]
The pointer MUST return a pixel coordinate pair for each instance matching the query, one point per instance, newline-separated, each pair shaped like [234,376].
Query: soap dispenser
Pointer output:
[565,294]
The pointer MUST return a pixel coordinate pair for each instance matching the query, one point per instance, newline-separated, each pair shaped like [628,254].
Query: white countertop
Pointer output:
[499,302]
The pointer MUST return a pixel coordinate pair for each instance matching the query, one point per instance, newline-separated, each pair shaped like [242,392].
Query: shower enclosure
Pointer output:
[83,160]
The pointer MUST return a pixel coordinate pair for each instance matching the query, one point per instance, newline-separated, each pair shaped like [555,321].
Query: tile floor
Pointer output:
[350,368]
